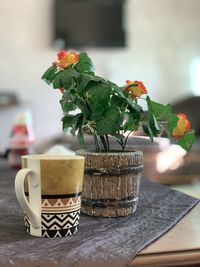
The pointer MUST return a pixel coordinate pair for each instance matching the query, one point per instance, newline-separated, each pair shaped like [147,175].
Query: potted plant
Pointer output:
[94,105]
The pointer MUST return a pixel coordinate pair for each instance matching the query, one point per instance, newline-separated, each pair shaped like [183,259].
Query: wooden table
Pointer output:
[178,247]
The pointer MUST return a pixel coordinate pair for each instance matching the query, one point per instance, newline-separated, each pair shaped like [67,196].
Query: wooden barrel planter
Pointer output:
[111,183]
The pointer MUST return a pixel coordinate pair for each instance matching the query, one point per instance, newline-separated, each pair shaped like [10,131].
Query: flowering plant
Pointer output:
[105,109]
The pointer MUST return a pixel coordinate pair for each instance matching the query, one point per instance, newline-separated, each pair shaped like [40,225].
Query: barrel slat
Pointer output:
[111,183]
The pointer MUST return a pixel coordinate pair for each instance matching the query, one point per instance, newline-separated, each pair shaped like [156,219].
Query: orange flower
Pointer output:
[136,88]
[61,54]
[65,59]
[183,126]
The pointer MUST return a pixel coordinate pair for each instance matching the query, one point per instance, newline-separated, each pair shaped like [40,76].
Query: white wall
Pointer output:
[26,51]
[165,35]
[163,39]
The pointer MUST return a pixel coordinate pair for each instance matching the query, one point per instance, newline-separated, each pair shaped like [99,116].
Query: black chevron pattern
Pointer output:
[59,233]
[27,223]
[60,221]
[57,225]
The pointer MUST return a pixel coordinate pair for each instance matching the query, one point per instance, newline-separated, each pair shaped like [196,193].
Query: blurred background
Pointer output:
[155,41]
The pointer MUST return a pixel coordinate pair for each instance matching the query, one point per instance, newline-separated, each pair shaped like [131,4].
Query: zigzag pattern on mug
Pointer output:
[61,221]
[59,233]
[61,205]
[27,222]
[61,202]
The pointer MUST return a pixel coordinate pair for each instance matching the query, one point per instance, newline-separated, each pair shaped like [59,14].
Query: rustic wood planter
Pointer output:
[111,183]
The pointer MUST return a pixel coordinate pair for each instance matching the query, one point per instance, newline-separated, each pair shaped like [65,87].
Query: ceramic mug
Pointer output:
[49,189]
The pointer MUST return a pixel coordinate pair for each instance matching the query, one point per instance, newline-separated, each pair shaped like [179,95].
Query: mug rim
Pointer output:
[52,157]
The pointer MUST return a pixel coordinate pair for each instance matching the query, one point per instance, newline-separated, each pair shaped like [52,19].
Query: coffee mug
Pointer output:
[49,189]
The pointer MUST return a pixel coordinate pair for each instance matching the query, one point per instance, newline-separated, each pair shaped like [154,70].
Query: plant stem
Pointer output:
[107,141]
[104,143]
[96,141]
[125,142]
[121,143]
[86,102]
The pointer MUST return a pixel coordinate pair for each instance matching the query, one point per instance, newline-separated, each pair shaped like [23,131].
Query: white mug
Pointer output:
[48,188]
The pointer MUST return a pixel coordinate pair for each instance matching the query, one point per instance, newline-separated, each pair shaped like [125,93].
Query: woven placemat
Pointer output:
[99,241]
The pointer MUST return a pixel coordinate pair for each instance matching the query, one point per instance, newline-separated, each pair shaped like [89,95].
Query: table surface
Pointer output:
[179,246]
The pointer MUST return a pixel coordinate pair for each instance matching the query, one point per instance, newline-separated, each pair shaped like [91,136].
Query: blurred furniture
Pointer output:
[181,168]
[11,105]
[8,99]
[178,247]
[188,169]
[189,189]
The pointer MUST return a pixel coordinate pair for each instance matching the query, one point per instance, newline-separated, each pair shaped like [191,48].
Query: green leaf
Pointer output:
[133,106]
[84,63]
[147,129]
[74,121]
[172,122]
[99,98]
[187,140]
[98,79]
[132,121]
[164,115]
[57,82]
[67,105]
[110,121]
[149,105]
[49,74]
[118,101]
[160,111]
[68,121]
[118,90]
[77,123]
[83,81]
[153,127]
[69,95]
[91,73]
[67,79]
[82,105]
[73,72]
[64,78]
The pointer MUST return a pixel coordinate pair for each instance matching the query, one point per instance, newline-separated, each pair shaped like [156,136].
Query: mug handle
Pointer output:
[32,212]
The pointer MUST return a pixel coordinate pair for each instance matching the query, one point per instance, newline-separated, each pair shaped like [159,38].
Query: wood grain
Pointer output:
[180,245]
[111,183]
[183,258]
